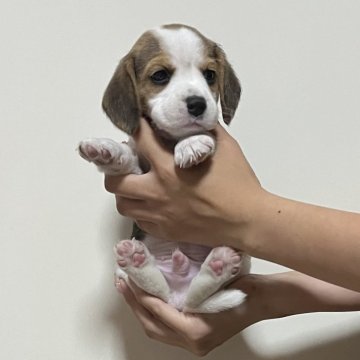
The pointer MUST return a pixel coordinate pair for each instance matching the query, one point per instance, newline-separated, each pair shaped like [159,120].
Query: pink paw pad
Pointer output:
[225,260]
[105,154]
[138,259]
[95,151]
[180,262]
[88,151]
[217,266]
[130,252]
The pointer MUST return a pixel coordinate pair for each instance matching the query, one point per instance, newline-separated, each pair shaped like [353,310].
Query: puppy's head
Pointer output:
[175,76]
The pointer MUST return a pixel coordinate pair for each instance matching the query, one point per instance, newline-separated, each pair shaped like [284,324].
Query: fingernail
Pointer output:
[121,285]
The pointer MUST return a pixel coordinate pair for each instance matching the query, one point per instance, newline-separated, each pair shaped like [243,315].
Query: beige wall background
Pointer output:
[298,123]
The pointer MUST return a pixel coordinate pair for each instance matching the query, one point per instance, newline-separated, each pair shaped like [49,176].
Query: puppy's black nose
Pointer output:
[196,105]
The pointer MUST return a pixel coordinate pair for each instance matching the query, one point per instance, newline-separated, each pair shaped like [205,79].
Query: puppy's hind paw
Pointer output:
[224,262]
[131,253]
[134,258]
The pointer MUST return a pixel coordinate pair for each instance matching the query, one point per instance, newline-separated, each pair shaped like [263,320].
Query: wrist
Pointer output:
[254,231]
[293,234]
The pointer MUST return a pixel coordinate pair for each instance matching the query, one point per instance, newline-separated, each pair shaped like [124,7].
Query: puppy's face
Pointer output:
[175,76]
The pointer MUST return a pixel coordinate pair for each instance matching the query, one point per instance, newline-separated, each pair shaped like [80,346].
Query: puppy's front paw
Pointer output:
[194,150]
[111,157]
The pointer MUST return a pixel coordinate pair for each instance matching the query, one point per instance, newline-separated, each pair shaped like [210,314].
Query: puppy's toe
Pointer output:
[98,151]
[224,262]
[194,150]
[131,253]
[110,157]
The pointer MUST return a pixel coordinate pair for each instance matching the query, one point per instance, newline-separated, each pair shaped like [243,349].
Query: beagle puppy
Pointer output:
[174,77]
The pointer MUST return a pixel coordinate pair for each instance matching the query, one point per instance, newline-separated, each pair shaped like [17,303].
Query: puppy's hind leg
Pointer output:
[220,301]
[134,258]
[111,158]
[221,266]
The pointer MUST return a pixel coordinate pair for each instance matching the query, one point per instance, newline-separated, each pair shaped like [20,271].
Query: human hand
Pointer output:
[196,333]
[269,296]
[213,203]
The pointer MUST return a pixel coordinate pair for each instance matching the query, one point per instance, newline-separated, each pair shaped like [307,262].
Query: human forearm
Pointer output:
[221,202]
[318,241]
[292,293]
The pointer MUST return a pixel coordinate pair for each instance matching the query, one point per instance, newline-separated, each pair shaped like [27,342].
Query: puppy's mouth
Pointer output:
[191,129]
[194,127]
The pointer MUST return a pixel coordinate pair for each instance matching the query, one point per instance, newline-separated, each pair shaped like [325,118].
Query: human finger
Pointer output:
[149,227]
[162,311]
[249,284]
[153,328]
[135,209]
[140,187]
[226,143]
[150,146]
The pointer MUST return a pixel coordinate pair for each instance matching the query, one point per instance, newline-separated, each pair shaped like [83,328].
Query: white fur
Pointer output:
[148,277]
[220,301]
[205,283]
[111,157]
[193,150]
[168,108]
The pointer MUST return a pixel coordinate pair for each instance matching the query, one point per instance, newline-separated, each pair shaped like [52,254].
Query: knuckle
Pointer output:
[201,353]
[166,174]
[143,225]
[171,213]
[156,309]
[199,343]
[109,184]
[149,333]
[121,207]
[200,350]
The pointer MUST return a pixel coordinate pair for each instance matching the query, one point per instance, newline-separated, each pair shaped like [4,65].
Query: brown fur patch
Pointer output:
[126,97]
[122,102]
[227,84]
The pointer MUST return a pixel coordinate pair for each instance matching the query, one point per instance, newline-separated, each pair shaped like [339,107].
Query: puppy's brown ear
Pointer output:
[120,101]
[230,89]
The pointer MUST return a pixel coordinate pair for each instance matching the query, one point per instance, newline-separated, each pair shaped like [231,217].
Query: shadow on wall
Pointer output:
[137,346]
[127,340]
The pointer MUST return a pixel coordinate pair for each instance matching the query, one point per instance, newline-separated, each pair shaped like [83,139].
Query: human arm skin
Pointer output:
[321,242]
[221,202]
[269,297]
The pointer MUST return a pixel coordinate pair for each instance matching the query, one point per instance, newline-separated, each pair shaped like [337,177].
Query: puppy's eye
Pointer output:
[209,76]
[160,77]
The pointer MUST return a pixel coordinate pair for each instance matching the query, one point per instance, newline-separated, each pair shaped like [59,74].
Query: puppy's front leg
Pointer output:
[194,150]
[111,158]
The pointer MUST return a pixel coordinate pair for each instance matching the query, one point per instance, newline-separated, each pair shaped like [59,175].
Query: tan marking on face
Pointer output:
[148,57]
[129,92]
[213,60]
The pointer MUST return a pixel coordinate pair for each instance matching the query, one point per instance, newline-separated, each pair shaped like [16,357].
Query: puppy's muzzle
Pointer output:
[196,105]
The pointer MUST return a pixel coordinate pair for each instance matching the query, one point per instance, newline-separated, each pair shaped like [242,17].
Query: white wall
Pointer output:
[298,124]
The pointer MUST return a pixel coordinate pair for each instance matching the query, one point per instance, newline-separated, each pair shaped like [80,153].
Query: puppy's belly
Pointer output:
[179,263]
